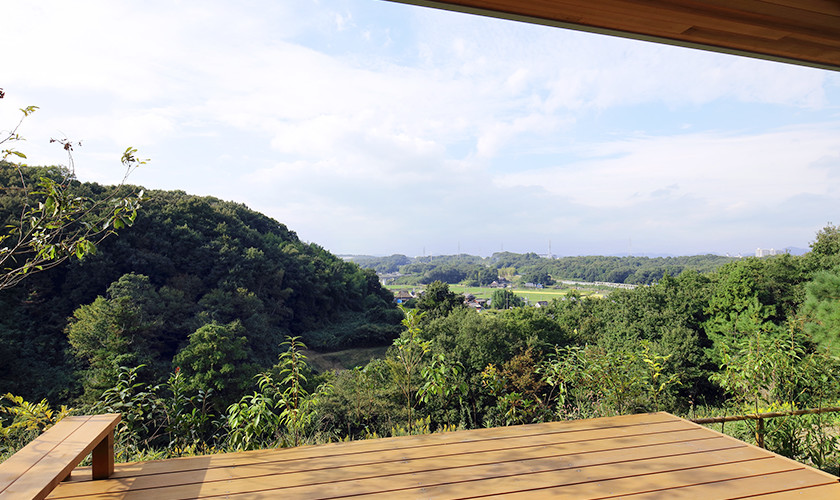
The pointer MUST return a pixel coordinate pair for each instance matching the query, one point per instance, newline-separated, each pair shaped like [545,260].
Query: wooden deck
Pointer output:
[652,455]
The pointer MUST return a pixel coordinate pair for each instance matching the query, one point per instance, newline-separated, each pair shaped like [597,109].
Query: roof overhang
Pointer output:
[804,32]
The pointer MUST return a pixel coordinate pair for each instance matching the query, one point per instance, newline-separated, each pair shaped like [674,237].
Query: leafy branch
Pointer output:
[55,224]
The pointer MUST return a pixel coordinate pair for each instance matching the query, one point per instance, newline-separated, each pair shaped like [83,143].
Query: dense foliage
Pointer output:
[532,268]
[753,336]
[382,265]
[188,264]
[193,323]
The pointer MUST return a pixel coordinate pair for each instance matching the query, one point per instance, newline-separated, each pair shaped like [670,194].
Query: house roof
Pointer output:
[805,32]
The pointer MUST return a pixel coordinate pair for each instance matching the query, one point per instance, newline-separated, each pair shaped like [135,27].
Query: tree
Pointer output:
[127,328]
[215,360]
[445,273]
[481,275]
[822,310]
[283,411]
[53,223]
[825,250]
[438,301]
[101,339]
[505,299]
[410,352]
[538,278]
[738,301]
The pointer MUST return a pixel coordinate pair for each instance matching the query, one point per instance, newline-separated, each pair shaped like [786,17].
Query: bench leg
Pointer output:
[102,458]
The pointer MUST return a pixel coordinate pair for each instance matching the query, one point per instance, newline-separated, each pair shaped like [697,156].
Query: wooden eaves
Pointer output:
[804,32]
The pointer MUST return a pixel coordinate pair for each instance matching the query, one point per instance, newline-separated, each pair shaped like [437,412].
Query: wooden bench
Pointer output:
[35,470]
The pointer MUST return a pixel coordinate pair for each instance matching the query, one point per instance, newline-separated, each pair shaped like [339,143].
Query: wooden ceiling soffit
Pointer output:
[804,32]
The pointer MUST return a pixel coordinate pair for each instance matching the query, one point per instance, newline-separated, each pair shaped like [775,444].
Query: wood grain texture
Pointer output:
[801,32]
[634,456]
[36,469]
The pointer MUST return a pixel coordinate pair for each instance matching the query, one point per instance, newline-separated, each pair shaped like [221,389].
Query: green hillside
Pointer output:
[188,261]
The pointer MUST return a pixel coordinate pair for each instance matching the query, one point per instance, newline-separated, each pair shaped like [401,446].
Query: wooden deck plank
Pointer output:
[829,477]
[500,478]
[292,460]
[50,458]
[821,492]
[265,487]
[597,482]
[782,483]
[580,483]
[725,489]
[20,462]
[339,469]
[507,437]
[632,455]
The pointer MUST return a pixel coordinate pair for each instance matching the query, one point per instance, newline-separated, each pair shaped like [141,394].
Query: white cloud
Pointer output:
[582,70]
[727,171]
[346,119]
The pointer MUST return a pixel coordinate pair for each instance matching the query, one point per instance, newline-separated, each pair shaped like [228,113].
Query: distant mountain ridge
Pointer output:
[475,270]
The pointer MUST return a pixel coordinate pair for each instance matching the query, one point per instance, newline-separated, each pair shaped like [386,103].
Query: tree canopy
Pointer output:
[532,268]
[187,261]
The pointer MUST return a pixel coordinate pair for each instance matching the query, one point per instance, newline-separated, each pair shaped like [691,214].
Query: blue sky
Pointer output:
[377,128]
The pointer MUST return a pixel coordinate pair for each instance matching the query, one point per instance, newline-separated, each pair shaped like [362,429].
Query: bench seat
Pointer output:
[35,470]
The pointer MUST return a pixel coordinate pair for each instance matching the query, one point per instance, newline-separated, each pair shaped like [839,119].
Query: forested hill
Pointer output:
[475,270]
[632,270]
[187,262]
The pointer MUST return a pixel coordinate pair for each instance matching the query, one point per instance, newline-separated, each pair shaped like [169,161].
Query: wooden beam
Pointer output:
[805,33]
